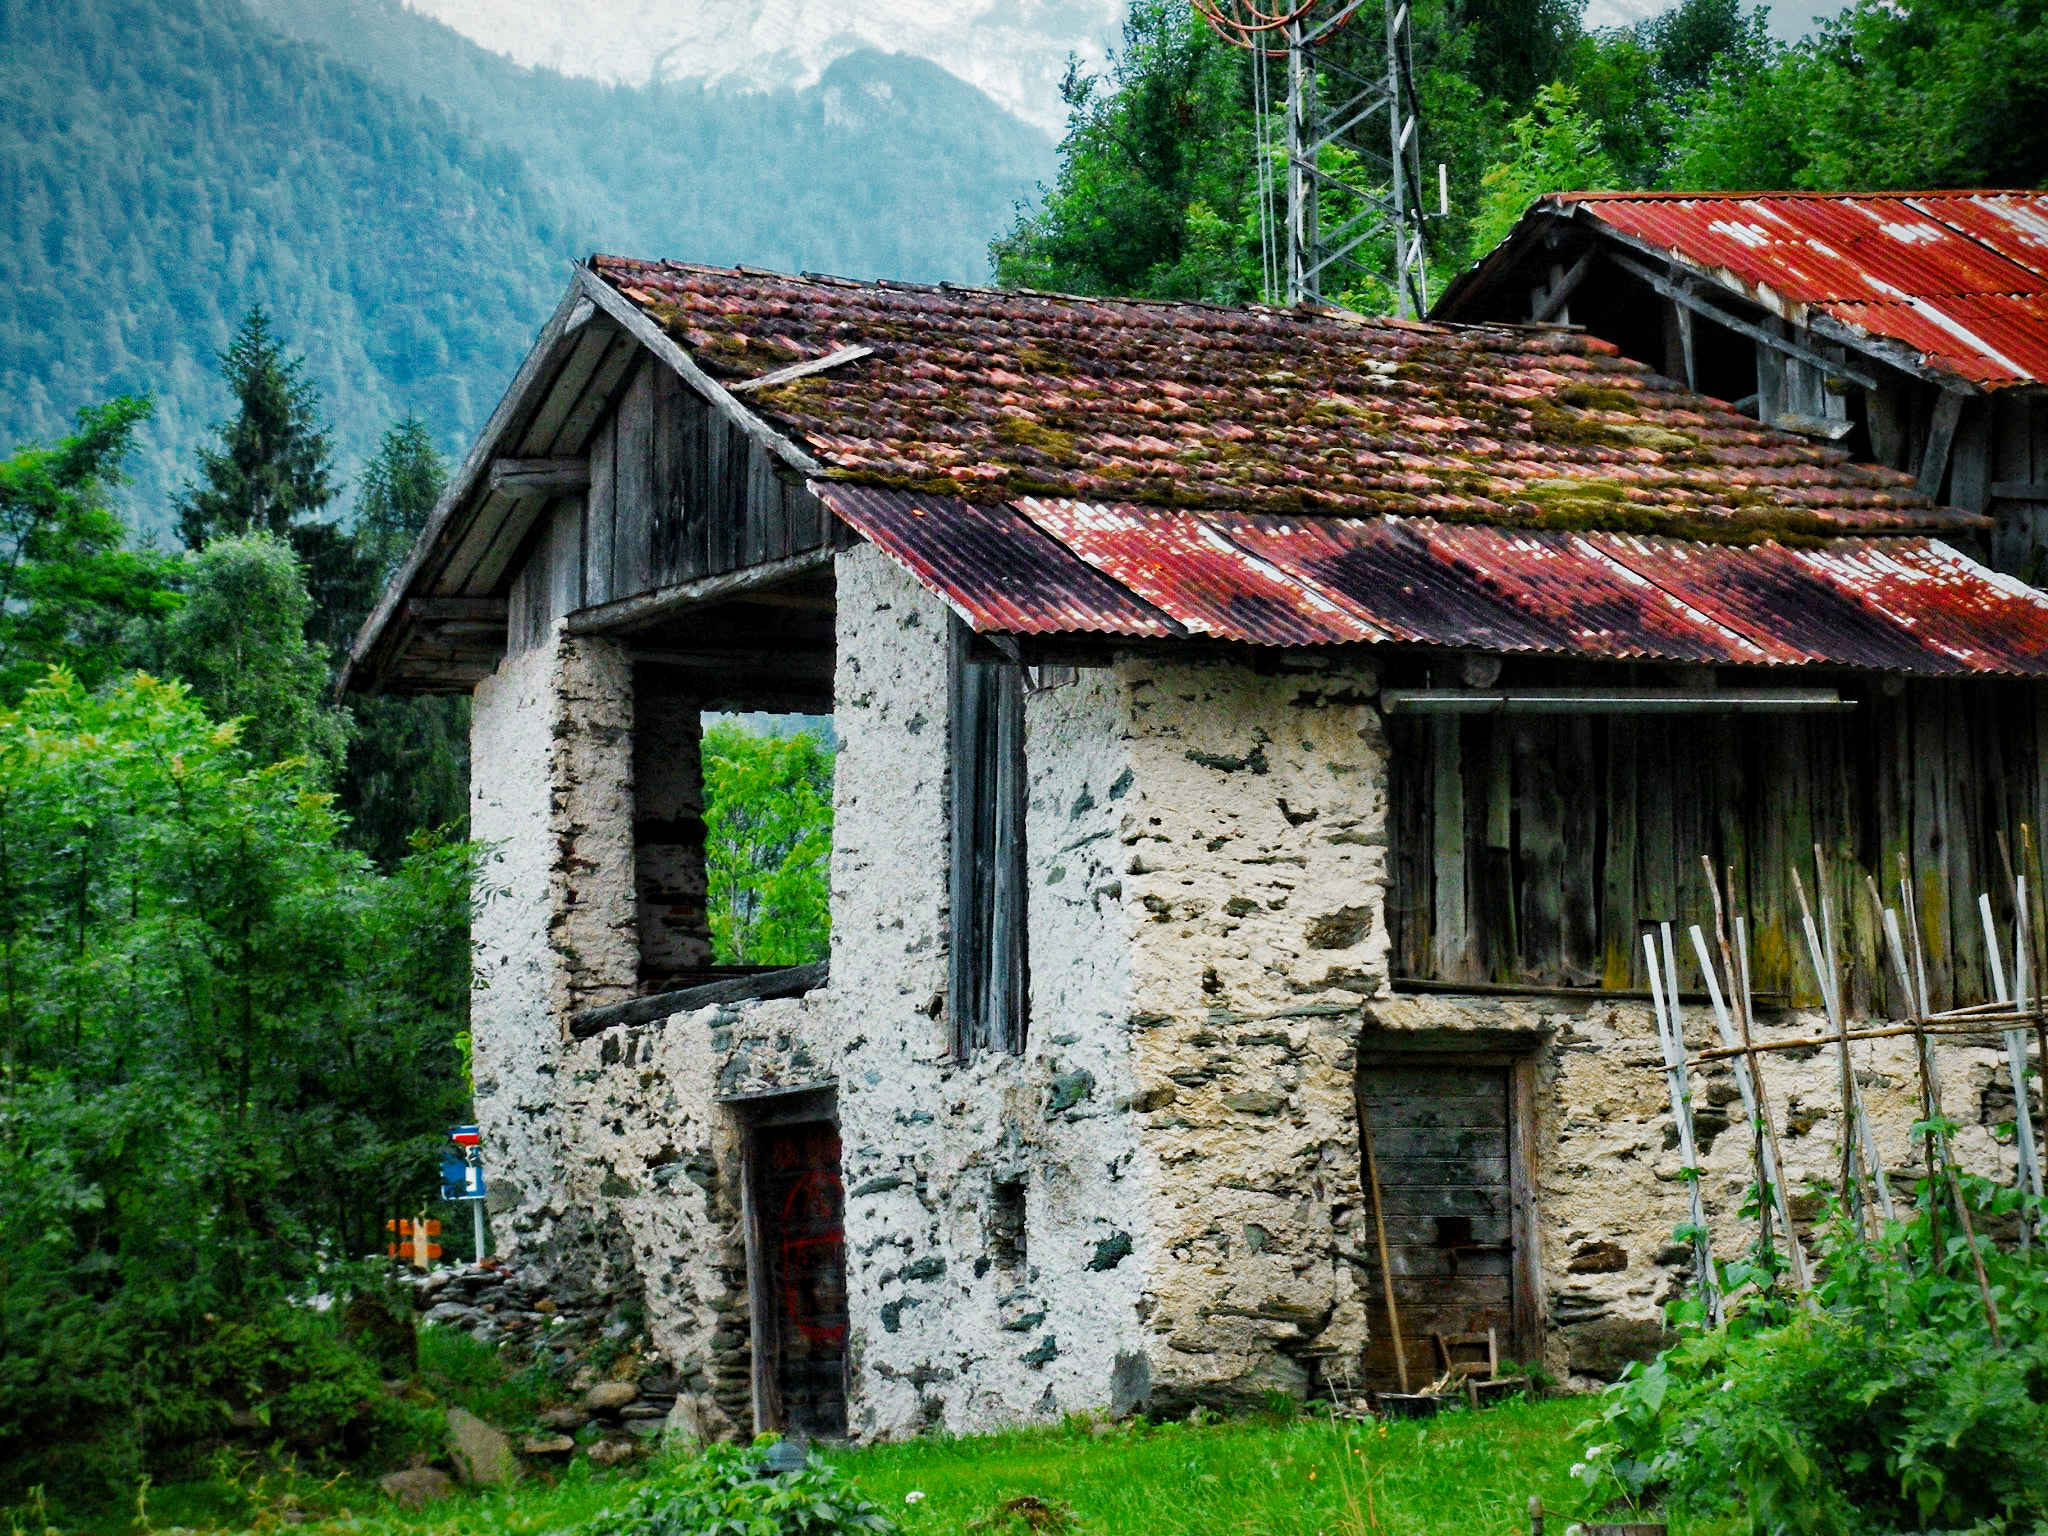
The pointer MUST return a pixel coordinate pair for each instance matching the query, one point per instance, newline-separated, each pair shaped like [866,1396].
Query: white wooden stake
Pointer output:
[1733,1040]
[1671,1035]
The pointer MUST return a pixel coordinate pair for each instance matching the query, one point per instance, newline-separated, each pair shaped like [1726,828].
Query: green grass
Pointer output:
[1265,1476]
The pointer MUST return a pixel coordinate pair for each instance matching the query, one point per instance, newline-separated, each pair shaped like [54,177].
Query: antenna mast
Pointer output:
[1354,153]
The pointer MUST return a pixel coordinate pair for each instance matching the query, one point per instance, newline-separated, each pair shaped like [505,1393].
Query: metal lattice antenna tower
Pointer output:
[1353,146]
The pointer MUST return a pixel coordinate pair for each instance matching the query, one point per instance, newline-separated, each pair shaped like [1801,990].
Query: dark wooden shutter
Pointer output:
[989,975]
[1442,1139]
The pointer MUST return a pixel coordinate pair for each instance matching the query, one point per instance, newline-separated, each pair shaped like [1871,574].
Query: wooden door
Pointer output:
[803,1245]
[1445,1144]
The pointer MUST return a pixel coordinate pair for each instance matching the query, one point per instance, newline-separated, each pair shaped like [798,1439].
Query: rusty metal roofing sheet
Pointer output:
[1389,577]
[1211,585]
[1983,621]
[1051,566]
[995,567]
[1961,277]
[1765,593]
[1603,608]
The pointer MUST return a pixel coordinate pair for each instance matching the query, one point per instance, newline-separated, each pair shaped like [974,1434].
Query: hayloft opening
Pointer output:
[733,754]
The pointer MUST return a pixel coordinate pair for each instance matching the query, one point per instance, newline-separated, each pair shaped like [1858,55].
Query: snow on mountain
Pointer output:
[1014,50]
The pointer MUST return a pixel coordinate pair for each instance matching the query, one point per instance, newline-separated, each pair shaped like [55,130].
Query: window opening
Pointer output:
[768,837]
[989,974]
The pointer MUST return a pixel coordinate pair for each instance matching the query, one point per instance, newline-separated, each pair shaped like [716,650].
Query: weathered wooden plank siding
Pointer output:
[678,493]
[1537,850]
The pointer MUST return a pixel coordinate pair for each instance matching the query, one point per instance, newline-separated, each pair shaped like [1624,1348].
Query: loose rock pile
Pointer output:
[625,1396]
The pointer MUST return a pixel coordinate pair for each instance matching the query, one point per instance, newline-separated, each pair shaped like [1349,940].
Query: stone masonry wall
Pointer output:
[551,794]
[1254,852]
[1207,856]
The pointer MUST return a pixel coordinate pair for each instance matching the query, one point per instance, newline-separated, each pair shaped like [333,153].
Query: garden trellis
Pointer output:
[2014,1015]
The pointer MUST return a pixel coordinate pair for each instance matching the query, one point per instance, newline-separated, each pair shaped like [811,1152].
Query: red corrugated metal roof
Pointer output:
[1059,566]
[1960,277]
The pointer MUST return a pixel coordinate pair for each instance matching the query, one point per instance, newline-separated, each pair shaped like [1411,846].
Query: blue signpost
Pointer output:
[462,1174]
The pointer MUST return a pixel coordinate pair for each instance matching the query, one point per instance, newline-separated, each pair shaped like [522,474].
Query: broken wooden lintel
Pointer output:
[629,612]
[801,370]
[790,981]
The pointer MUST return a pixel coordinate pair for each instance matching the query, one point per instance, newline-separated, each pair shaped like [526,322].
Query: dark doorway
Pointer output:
[799,1254]
[1447,1138]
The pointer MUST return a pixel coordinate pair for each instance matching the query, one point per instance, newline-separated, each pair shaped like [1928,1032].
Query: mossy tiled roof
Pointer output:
[991,396]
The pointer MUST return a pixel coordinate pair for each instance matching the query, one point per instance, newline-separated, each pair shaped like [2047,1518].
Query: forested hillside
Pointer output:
[404,204]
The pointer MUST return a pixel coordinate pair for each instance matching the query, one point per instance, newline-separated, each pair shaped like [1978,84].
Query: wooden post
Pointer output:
[1741,1054]
[1823,971]
[1379,1225]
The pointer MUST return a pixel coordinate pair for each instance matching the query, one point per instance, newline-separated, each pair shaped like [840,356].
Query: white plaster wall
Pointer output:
[941,1337]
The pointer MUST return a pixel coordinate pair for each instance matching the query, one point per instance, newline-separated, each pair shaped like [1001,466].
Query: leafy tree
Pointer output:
[1891,94]
[240,642]
[70,594]
[1518,46]
[1164,138]
[227,1048]
[1551,147]
[768,844]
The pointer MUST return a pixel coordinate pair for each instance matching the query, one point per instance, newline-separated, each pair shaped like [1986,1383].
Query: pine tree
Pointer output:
[272,468]
[273,473]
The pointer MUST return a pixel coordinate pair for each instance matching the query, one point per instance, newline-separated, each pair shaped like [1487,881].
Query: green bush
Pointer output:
[1889,1405]
[727,1492]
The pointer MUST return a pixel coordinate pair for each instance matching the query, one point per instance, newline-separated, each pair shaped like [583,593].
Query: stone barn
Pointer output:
[1244,717]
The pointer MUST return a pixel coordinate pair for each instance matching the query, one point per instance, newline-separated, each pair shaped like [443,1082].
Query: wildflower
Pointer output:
[915,1496]
[1578,1469]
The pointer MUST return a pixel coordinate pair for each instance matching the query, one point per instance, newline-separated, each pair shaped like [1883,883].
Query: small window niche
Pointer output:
[1006,1225]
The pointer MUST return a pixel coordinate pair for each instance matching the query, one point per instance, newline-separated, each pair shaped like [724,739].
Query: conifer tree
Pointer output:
[272,472]
[272,469]
[408,766]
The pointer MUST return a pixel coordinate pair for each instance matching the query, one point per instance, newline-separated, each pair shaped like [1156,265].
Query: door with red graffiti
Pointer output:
[803,1240]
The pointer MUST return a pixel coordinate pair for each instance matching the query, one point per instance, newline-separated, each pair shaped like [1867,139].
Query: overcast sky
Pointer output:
[1015,50]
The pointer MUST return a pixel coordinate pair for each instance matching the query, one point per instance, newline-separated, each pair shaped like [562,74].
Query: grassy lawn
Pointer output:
[1469,1474]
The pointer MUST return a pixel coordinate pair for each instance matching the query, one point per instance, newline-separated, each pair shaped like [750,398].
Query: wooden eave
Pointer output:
[522,464]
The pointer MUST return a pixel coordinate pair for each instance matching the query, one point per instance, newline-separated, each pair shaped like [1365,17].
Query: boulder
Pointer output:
[552,1447]
[610,1396]
[416,1487]
[612,1453]
[482,1454]
[565,1420]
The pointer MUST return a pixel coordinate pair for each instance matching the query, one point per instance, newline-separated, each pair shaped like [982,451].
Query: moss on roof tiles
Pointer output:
[996,395]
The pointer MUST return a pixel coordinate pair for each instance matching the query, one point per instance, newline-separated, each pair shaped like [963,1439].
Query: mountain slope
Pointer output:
[165,164]
[887,166]
[406,203]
